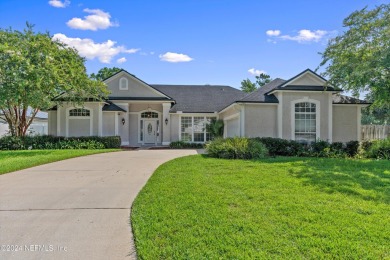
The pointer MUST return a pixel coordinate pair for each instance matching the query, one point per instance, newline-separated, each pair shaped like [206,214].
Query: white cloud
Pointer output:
[97,19]
[59,4]
[121,60]
[273,32]
[303,36]
[306,36]
[175,57]
[87,48]
[256,72]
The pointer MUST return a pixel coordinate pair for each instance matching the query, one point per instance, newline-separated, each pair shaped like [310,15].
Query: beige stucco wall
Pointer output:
[260,120]
[74,128]
[109,123]
[289,97]
[135,88]
[138,107]
[175,127]
[52,122]
[233,127]
[133,129]
[345,123]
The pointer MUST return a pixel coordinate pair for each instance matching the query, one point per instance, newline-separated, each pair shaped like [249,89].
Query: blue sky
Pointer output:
[190,42]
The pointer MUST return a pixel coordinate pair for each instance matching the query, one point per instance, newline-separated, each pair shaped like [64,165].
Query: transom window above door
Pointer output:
[149,115]
[79,112]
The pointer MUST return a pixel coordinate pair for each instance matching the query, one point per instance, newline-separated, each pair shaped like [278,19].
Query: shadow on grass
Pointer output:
[368,180]
[365,179]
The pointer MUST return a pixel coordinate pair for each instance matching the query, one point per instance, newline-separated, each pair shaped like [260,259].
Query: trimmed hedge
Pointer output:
[59,142]
[185,145]
[236,148]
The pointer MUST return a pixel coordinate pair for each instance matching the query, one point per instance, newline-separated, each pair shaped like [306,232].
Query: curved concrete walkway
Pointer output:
[77,208]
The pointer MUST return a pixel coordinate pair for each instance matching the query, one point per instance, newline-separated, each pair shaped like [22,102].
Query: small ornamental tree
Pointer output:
[34,69]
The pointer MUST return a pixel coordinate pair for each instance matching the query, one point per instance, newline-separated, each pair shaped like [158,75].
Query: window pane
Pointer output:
[186,128]
[305,121]
[198,137]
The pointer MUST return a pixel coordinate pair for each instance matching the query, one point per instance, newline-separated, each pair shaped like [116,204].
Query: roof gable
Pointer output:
[136,87]
[305,78]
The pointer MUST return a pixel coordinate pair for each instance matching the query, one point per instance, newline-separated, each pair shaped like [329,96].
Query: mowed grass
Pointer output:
[17,160]
[280,208]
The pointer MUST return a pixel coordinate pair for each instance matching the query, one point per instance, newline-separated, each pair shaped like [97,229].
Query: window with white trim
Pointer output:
[305,122]
[193,129]
[123,84]
[79,112]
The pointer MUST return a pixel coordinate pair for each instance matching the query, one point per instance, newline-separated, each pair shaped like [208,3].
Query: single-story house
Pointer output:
[301,108]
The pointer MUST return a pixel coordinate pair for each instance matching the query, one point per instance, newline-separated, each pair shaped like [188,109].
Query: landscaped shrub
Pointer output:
[185,145]
[236,148]
[379,149]
[352,148]
[282,147]
[59,142]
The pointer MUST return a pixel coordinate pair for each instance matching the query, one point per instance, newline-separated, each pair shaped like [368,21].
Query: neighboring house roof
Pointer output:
[140,98]
[200,98]
[341,99]
[111,107]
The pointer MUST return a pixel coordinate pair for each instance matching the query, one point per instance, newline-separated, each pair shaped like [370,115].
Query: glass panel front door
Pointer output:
[150,131]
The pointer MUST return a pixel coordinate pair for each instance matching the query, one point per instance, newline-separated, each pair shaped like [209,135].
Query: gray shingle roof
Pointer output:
[260,94]
[200,98]
[112,108]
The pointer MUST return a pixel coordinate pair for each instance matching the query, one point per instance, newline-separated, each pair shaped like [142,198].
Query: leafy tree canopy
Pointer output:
[359,59]
[104,73]
[248,86]
[34,69]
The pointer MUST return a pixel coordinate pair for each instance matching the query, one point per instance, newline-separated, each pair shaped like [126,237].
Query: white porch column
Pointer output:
[100,119]
[58,120]
[330,118]
[242,120]
[280,116]
[166,136]
[116,123]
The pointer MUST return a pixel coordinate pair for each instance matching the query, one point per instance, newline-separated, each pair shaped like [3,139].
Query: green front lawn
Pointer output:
[285,208]
[17,160]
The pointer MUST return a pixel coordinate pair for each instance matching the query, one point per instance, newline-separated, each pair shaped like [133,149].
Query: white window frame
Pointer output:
[90,117]
[192,123]
[126,84]
[318,113]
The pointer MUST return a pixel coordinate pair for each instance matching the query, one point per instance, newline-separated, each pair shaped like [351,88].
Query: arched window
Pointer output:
[123,84]
[149,115]
[81,112]
[305,122]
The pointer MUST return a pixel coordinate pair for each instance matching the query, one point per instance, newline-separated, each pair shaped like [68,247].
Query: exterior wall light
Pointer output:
[166,121]
[123,121]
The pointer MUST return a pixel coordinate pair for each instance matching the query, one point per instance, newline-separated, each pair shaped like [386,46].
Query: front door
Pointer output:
[150,131]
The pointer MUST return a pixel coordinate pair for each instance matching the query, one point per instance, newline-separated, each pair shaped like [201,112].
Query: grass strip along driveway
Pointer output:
[17,160]
[202,208]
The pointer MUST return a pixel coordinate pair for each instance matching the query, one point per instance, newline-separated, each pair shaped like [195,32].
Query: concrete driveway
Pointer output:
[77,208]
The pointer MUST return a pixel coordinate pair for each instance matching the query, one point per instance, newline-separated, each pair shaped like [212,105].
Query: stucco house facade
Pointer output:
[301,108]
